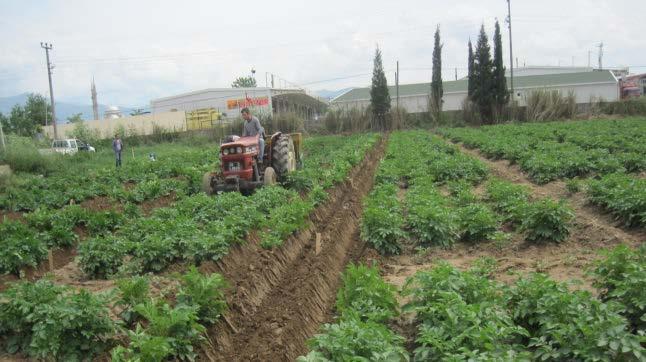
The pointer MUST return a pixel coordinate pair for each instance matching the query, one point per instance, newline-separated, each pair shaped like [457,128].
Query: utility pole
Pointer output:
[266,80]
[47,48]
[511,52]
[4,147]
[397,85]
[456,73]
[600,55]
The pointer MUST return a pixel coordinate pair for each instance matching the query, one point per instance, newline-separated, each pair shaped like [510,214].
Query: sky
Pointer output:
[140,50]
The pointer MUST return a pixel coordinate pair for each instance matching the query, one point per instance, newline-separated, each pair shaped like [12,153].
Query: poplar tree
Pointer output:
[437,90]
[483,95]
[470,78]
[500,92]
[379,96]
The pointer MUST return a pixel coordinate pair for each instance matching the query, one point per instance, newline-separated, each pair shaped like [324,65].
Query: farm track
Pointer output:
[279,298]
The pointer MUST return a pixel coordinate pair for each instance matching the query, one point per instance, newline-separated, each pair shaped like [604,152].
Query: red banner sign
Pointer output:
[247,102]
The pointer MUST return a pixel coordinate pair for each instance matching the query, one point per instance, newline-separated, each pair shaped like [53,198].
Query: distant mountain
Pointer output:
[331,94]
[63,109]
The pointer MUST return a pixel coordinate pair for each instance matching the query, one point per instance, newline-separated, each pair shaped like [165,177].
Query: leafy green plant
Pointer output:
[573,185]
[621,277]
[477,222]
[132,291]
[365,295]
[204,292]
[101,257]
[566,325]
[430,218]
[547,220]
[382,221]
[177,326]
[460,315]
[623,195]
[21,247]
[356,340]
[49,321]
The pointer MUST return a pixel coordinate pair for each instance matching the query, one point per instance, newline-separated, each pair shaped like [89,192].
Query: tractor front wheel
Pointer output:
[206,183]
[269,178]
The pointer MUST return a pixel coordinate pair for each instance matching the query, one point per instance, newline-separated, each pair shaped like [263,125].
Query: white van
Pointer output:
[70,146]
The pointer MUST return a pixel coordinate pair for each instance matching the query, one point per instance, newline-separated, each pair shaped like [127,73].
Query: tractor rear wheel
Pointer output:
[206,183]
[283,156]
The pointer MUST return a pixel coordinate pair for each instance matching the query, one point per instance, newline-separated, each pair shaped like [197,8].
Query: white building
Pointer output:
[229,101]
[587,85]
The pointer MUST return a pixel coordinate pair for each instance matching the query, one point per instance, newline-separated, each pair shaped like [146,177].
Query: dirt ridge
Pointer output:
[280,297]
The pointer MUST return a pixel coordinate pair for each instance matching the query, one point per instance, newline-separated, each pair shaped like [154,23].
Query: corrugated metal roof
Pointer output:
[530,81]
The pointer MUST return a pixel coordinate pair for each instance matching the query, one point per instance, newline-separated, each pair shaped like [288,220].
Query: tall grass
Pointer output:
[626,107]
[22,155]
[547,105]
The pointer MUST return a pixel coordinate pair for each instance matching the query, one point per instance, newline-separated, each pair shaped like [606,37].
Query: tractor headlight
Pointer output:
[225,151]
[250,149]
[239,149]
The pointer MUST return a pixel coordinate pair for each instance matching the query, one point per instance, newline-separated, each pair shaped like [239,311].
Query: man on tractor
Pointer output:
[252,127]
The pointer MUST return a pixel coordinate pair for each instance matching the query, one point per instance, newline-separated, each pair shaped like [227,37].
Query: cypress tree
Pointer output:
[437,90]
[379,96]
[470,77]
[483,76]
[500,92]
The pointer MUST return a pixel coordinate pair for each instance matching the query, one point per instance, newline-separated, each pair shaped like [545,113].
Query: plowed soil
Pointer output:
[280,297]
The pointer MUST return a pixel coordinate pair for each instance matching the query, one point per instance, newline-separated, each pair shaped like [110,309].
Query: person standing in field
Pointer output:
[117,147]
[252,127]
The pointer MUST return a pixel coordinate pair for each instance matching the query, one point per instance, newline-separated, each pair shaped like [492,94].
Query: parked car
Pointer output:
[71,146]
[84,146]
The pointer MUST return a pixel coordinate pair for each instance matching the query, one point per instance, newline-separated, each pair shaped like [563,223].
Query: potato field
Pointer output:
[514,242]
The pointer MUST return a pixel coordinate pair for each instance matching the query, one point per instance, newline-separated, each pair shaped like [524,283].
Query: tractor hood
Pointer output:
[242,141]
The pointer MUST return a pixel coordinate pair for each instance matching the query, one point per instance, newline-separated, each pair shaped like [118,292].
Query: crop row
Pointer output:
[623,195]
[550,151]
[181,172]
[52,322]
[464,315]
[364,304]
[440,207]
[195,229]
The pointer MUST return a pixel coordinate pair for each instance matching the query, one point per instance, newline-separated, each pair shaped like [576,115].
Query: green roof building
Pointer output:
[414,97]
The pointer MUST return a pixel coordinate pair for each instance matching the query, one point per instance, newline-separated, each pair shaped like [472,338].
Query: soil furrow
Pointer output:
[280,297]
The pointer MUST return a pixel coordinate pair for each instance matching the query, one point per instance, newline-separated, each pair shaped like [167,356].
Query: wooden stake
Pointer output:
[317,245]
[50,256]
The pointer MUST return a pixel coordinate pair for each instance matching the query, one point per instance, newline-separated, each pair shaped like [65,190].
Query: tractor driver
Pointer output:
[252,127]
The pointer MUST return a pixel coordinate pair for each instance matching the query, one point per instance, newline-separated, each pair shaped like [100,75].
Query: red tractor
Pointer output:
[240,170]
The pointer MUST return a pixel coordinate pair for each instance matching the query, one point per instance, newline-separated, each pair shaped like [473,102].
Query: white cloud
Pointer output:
[138,50]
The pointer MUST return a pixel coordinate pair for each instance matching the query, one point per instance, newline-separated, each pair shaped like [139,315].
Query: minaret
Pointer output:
[95,104]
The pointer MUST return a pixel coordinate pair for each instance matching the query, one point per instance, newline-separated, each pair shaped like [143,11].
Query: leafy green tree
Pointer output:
[244,82]
[470,76]
[38,109]
[379,95]
[437,90]
[483,95]
[27,120]
[76,118]
[500,92]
